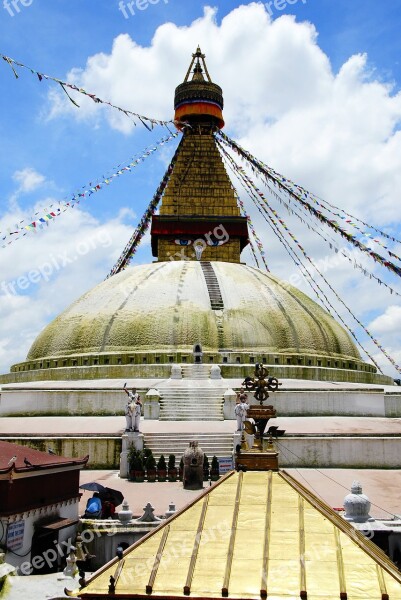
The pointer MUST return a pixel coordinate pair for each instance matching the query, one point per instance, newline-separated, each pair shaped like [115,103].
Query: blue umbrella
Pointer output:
[105,493]
[93,486]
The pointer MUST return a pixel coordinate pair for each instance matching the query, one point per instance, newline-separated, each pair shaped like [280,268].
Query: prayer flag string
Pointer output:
[143,225]
[253,231]
[332,244]
[148,122]
[282,183]
[46,215]
[258,197]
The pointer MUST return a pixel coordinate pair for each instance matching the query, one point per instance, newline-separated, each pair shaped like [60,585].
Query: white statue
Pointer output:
[132,410]
[240,410]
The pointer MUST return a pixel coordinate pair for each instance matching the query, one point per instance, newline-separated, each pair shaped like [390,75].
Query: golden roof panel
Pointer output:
[253,535]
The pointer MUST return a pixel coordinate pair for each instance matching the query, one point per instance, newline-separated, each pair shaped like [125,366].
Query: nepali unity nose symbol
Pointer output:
[199,248]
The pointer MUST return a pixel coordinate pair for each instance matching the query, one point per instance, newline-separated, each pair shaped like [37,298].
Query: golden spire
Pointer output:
[199,205]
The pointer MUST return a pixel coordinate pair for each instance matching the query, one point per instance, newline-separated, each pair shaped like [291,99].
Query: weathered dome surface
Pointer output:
[166,306]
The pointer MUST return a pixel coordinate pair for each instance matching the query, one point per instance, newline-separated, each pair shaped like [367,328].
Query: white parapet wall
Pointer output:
[334,452]
[107,398]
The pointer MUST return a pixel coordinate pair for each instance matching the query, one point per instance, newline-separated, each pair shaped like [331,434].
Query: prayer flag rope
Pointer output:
[148,122]
[258,196]
[332,244]
[21,229]
[282,183]
[256,238]
[143,225]
[345,215]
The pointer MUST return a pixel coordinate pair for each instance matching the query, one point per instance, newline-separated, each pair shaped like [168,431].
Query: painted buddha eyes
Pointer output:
[181,242]
[209,242]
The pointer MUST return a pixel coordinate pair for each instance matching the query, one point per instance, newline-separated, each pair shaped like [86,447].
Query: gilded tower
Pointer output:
[199,217]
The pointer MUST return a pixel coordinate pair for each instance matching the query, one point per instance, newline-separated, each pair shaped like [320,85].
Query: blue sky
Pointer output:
[344,51]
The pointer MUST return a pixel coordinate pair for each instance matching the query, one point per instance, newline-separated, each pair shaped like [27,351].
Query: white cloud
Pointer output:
[28,179]
[45,272]
[335,133]
[389,322]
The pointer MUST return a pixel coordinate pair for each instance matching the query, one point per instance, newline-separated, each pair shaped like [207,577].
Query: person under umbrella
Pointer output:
[93,508]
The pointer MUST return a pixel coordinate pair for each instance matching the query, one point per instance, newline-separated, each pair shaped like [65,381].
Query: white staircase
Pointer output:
[212,444]
[191,403]
[216,300]
[195,371]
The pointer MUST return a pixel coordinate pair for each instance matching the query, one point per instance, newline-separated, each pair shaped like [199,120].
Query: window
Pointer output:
[106,361]
[157,359]
[309,363]
[211,358]
[171,359]
[119,361]
[276,361]
[238,359]
[74,363]
[289,361]
[251,359]
[300,361]
[184,359]
[144,359]
[225,359]
[96,361]
[319,363]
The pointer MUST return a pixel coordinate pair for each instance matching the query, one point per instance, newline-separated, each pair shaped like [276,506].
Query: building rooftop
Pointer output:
[24,459]
[253,535]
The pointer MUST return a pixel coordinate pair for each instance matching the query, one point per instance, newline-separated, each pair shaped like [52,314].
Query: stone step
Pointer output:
[185,438]
[215,297]
[184,444]
[184,402]
[190,417]
[220,445]
[183,408]
[186,417]
[200,393]
[194,403]
[202,399]
[177,407]
[186,405]
[188,435]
